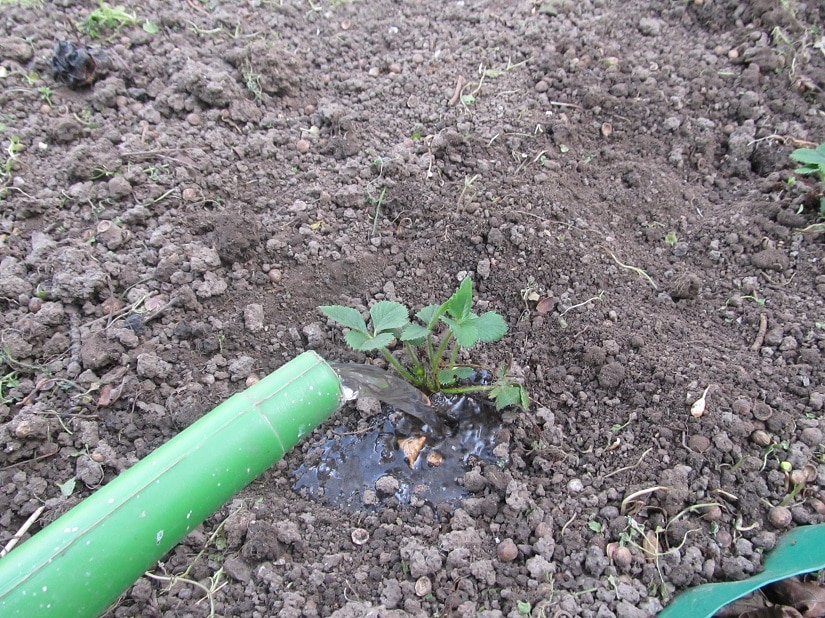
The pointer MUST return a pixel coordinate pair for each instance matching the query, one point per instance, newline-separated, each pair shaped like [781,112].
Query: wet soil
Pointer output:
[615,177]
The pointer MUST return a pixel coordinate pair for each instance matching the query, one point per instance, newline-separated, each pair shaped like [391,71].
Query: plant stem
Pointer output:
[454,355]
[409,377]
[462,390]
[439,353]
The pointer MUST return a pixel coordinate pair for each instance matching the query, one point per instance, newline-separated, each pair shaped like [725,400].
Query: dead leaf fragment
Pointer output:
[546,305]
[806,597]
[411,447]
[435,459]
[111,305]
[650,545]
[777,611]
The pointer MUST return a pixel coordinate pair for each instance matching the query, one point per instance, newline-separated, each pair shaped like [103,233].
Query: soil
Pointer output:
[624,167]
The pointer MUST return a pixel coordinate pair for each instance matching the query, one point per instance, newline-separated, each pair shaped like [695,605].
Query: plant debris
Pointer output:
[77,65]
[411,447]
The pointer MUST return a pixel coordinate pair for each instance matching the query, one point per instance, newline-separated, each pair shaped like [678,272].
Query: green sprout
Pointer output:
[813,162]
[8,381]
[7,165]
[252,81]
[432,343]
[107,17]
[45,94]
[671,239]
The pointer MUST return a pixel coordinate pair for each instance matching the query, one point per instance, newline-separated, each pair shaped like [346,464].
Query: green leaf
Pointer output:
[810,156]
[364,342]
[414,332]
[491,326]
[508,395]
[466,334]
[150,27]
[459,304]
[67,488]
[387,315]
[808,169]
[595,526]
[345,316]
[430,314]
[446,377]
[356,339]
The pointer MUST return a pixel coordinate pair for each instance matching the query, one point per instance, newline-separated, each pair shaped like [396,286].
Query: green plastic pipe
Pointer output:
[81,563]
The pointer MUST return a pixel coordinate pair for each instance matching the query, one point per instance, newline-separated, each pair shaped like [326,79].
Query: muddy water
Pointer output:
[343,471]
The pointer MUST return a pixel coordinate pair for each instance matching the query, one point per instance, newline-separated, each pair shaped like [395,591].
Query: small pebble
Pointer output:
[302,146]
[423,586]
[622,558]
[387,485]
[760,437]
[360,536]
[712,513]
[507,550]
[780,517]
[811,436]
[724,538]
[698,443]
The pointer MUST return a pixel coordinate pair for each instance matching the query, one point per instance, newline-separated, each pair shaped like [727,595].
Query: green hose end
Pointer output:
[80,564]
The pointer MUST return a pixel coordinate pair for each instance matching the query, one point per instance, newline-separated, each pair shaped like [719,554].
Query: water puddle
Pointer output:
[362,470]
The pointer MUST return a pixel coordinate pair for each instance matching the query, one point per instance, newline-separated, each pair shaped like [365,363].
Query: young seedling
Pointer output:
[252,79]
[7,165]
[812,159]
[106,17]
[432,343]
[813,162]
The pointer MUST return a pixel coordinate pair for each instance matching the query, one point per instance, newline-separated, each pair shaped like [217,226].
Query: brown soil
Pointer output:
[171,230]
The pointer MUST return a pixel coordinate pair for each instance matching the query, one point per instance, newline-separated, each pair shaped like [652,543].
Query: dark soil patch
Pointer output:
[222,178]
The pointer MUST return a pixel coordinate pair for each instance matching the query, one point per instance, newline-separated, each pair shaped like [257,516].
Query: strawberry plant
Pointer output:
[432,343]
[813,162]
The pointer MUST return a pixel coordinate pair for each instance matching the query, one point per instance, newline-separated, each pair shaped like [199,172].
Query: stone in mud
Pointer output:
[422,560]
[241,367]
[151,366]
[611,375]
[539,568]
[76,275]
[771,259]
[387,485]
[686,287]
[98,351]
[314,333]
[211,85]
[12,281]
[253,317]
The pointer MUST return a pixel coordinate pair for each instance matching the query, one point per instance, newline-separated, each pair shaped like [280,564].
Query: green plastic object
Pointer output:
[81,563]
[802,550]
